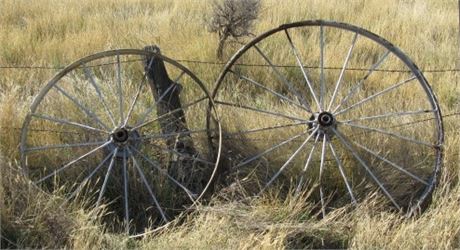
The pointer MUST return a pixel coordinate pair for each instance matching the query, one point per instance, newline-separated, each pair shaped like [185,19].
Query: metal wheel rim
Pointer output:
[437,145]
[141,53]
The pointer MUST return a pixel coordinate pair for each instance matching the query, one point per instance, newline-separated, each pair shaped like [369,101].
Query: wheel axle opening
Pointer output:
[120,135]
[326,119]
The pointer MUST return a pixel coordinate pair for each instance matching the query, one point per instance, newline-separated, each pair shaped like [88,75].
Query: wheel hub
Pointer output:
[324,123]
[124,138]
[120,135]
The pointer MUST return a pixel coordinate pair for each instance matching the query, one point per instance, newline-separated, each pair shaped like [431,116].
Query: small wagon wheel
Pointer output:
[96,132]
[332,104]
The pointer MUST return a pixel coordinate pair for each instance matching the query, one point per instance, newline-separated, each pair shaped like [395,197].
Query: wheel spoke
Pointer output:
[299,62]
[284,80]
[361,82]
[271,149]
[189,193]
[83,108]
[270,90]
[90,78]
[186,156]
[142,121]
[390,163]
[57,146]
[287,162]
[184,107]
[322,83]
[73,162]
[307,164]
[136,97]
[87,178]
[364,165]
[167,136]
[342,172]
[106,178]
[381,131]
[391,114]
[250,131]
[225,135]
[375,95]
[347,59]
[174,122]
[147,185]
[260,111]
[125,191]
[321,169]
[178,77]
[120,93]
[164,136]
[66,122]
[152,107]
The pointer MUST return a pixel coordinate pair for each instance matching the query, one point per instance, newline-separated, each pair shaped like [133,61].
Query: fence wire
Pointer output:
[216,63]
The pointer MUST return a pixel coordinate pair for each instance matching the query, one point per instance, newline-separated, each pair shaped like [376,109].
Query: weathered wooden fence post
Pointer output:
[166,93]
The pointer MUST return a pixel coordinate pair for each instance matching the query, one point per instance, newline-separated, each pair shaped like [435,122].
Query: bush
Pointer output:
[232,19]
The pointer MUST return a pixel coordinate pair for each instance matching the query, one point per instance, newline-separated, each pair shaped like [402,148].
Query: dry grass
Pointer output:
[52,32]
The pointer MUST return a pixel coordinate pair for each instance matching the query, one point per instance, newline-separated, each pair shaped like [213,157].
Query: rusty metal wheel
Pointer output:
[97,132]
[330,105]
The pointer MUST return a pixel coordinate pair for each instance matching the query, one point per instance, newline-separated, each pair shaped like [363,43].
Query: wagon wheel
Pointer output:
[333,106]
[96,132]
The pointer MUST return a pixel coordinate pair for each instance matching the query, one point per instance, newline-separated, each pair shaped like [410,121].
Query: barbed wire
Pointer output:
[317,67]
[62,67]
[216,63]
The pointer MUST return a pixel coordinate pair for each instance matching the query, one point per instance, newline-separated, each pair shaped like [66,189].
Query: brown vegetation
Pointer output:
[56,33]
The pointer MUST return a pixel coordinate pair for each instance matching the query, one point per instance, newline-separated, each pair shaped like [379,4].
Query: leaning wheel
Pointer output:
[330,105]
[114,129]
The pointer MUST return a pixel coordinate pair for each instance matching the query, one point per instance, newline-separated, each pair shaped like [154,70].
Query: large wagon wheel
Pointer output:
[96,131]
[350,113]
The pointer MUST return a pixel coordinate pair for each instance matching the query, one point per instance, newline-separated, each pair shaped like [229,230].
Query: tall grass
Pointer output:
[55,33]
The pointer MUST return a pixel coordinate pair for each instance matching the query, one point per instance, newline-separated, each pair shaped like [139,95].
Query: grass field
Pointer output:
[56,33]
